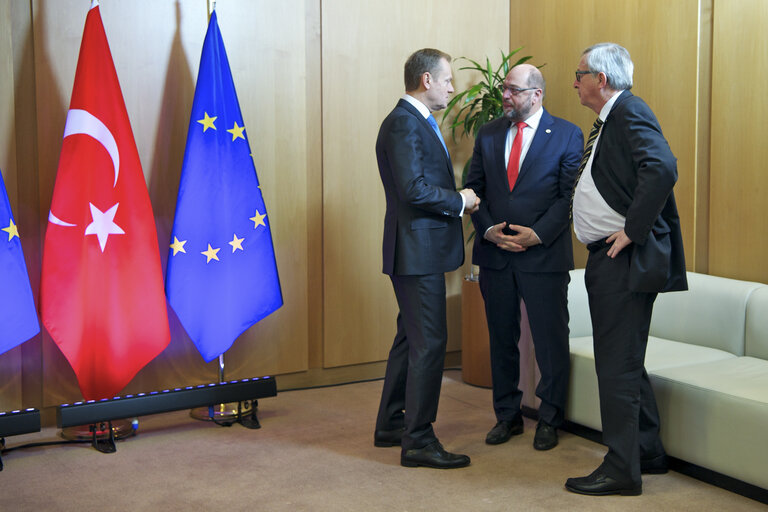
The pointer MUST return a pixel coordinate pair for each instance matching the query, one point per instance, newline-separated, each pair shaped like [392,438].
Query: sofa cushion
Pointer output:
[715,415]
[579,322]
[756,337]
[712,313]
[584,406]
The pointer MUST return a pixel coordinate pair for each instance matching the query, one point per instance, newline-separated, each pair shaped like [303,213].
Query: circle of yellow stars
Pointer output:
[237,243]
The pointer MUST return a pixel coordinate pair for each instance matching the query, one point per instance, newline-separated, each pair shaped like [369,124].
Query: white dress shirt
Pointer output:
[593,219]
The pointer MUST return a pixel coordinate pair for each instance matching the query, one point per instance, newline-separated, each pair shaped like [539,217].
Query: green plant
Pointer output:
[482,102]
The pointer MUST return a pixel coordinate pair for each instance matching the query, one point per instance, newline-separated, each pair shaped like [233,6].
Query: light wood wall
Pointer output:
[315,78]
[739,181]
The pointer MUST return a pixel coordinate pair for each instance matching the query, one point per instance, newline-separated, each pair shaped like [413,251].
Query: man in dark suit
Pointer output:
[422,240]
[523,168]
[624,210]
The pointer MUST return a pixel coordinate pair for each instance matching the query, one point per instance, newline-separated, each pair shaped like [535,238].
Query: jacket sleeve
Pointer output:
[476,180]
[655,165]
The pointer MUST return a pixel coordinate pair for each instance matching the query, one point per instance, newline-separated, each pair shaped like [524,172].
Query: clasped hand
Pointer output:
[523,238]
[471,201]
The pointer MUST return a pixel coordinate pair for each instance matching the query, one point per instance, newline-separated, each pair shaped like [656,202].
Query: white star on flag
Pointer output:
[103,225]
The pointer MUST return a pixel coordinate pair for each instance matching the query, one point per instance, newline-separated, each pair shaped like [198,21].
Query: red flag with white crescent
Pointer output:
[102,294]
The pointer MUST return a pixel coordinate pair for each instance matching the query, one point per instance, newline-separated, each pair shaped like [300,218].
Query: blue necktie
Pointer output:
[433,124]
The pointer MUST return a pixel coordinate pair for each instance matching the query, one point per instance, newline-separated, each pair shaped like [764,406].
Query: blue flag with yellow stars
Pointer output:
[222,275]
[18,317]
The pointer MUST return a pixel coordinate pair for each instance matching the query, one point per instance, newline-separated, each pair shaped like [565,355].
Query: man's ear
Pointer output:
[426,80]
[602,79]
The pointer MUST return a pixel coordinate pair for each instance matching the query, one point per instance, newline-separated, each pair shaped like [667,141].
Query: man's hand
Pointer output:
[502,241]
[472,202]
[525,236]
[619,240]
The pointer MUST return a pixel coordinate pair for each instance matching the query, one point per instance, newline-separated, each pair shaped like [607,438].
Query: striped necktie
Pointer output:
[584,159]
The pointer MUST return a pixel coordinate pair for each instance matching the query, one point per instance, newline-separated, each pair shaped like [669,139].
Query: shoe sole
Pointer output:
[385,444]
[543,448]
[622,492]
[409,464]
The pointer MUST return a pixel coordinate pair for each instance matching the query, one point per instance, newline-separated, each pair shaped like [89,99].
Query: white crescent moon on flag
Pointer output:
[85,123]
[82,122]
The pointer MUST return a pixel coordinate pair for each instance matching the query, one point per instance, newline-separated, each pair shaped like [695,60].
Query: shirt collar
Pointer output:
[534,119]
[422,108]
[609,105]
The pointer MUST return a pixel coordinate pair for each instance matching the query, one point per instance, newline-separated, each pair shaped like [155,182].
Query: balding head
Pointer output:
[528,75]
[523,92]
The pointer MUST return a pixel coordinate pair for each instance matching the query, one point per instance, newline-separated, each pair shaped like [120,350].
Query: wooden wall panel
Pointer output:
[365,45]
[156,48]
[739,182]
[662,38]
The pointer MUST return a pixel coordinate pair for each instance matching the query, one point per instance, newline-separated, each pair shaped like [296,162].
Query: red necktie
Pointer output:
[513,165]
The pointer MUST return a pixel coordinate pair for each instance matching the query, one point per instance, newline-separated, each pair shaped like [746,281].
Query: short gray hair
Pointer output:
[614,61]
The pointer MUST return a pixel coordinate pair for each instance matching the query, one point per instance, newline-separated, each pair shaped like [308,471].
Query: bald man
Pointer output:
[523,169]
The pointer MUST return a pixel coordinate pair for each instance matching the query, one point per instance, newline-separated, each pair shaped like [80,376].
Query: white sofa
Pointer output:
[707,359]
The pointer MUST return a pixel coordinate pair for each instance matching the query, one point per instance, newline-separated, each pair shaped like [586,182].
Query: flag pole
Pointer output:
[243,412]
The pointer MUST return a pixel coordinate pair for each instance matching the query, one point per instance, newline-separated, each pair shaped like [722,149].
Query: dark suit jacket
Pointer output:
[634,170]
[422,225]
[540,198]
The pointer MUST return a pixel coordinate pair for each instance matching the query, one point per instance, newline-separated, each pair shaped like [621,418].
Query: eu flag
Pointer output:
[18,318]
[222,276]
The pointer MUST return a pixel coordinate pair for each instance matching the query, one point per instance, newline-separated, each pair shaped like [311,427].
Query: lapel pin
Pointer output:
[549,131]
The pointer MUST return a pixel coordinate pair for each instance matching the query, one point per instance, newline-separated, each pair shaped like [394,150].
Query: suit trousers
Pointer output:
[621,320]
[546,299]
[414,372]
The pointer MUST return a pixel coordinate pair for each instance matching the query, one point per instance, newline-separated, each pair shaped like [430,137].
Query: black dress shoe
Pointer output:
[433,456]
[546,436]
[385,438]
[503,430]
[600,484]
[654,465]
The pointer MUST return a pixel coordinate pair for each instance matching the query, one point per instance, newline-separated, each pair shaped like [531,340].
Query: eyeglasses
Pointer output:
[515,91]
[580,73]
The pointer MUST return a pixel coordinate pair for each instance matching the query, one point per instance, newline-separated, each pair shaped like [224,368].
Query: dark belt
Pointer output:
[596,246]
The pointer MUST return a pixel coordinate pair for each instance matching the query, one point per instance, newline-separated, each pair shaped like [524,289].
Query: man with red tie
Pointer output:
[523,167]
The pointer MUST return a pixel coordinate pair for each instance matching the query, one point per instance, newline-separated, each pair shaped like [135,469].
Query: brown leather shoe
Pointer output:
[433,456]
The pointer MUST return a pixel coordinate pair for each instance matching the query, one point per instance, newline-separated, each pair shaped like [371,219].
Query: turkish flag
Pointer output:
[102,295]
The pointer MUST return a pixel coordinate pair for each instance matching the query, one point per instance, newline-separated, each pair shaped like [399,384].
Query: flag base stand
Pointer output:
[102,435]
[228,414]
